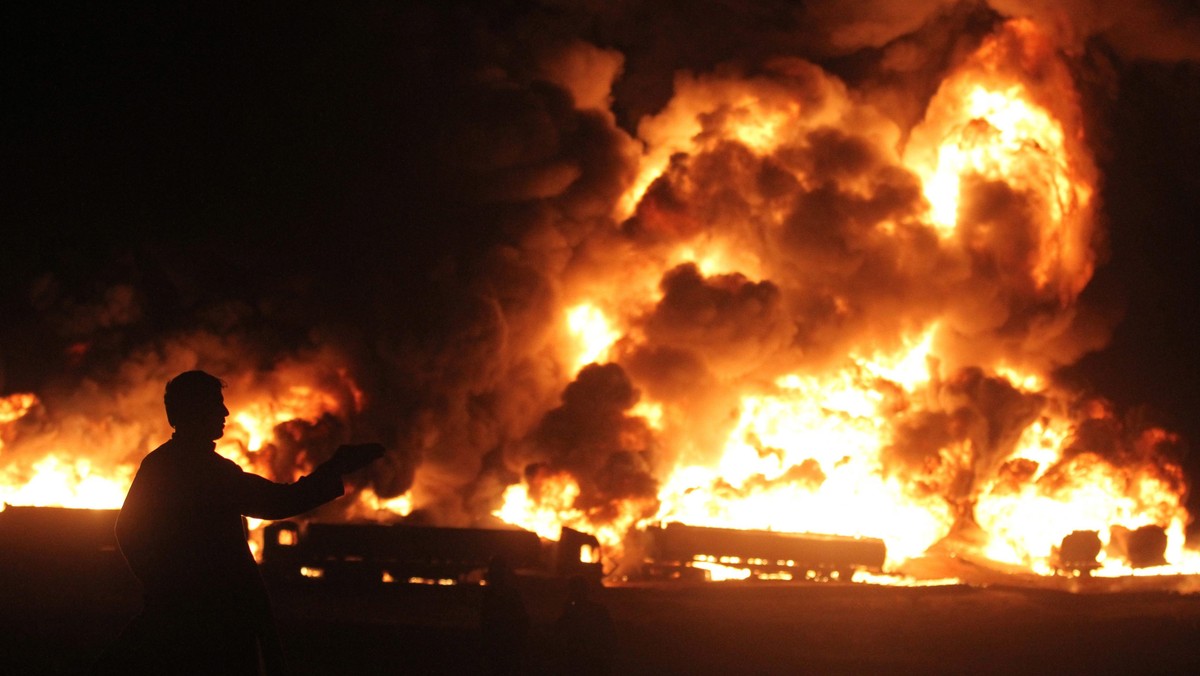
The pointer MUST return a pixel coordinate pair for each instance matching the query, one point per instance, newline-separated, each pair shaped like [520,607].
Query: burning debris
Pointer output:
[1077,553]
[766,295]
[1144,547]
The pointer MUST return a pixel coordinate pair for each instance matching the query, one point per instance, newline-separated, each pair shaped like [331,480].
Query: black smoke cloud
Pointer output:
[592,437]
[731,322]
[399,195]
[985,416]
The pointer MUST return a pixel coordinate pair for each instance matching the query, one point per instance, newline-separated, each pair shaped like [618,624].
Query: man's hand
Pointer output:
[351,457]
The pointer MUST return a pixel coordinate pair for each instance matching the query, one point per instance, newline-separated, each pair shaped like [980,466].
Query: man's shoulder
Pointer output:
[174,454]
[157,458]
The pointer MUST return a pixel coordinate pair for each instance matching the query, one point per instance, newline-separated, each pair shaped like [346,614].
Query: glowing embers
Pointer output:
[439,581]
[287,538]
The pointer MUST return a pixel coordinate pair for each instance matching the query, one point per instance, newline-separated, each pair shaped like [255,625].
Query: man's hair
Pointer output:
[187,391]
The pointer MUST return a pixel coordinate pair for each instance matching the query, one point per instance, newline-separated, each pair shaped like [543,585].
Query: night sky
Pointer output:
[280,168]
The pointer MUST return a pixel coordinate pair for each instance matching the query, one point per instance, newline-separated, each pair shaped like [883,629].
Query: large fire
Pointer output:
[50,471]
[820,322]
[812,446]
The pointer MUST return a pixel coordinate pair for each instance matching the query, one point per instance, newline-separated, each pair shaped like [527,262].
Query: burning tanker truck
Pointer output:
[377,553]
[356,554]
[783,325]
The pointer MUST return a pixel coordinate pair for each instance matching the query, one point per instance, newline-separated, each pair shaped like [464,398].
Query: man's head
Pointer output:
[195,407]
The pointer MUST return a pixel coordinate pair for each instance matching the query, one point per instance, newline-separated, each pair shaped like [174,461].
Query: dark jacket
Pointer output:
[182,531]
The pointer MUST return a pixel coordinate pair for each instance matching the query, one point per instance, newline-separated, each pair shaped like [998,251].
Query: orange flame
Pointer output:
[805,449]
[985,123]
[44,471]
[798,441]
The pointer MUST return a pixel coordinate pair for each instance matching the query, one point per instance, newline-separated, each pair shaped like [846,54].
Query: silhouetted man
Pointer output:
[182,532]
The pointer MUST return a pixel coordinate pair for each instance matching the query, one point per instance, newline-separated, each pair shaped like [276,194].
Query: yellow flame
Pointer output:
[908,368]
[1027,521]
[805,451]
[1028,382]
[70,479]
[254,424]
[547,516]
[986,122]
[55,481]
[553,508]
[15,406]
[715,258]
[401,505]
[998,135]
[592,331]
[719,572]
[805,458]
[650,411]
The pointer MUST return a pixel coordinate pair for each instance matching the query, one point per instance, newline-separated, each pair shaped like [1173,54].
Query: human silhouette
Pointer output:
[182,532]
[584,635]
[503,621]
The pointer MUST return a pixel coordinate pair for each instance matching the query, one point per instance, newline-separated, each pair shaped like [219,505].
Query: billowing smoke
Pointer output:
[781,228]
[592,437]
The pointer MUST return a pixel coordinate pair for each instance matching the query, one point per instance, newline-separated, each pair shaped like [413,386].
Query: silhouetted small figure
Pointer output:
[182,532]
[584,635]
[503,621]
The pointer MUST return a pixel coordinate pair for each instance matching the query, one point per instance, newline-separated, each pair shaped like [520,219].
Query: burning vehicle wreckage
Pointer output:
[357,554]
[367,553]
[448,556]
[786,328]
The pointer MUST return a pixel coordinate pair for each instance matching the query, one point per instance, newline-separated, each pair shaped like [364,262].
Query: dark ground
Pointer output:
[58,622]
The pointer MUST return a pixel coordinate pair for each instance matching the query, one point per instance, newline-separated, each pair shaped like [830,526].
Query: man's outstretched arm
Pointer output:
[264,499]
